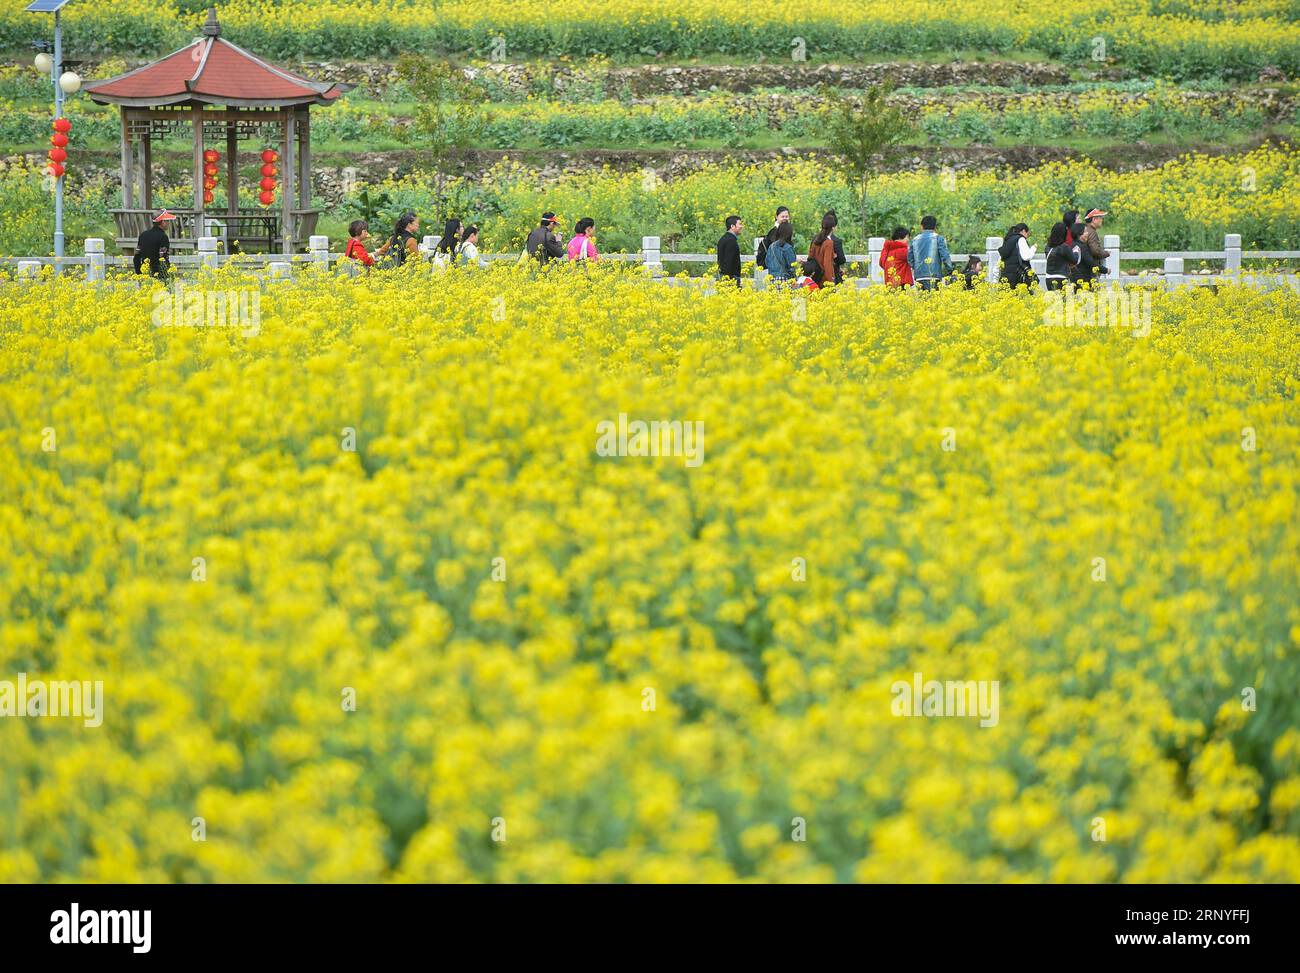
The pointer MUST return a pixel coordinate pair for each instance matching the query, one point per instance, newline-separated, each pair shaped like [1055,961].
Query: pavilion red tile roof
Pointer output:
[214,71]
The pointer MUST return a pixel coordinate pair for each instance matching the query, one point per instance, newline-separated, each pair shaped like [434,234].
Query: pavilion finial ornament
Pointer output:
[210,26]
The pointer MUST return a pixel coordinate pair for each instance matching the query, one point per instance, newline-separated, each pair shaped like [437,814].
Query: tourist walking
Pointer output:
[840,260]
[445,253]
[928,256]
[358,234]
[782,216]
[154,248]
[544,242]
[893,259]
[780,253]
[821,254]
[469,246]
[1062,257]
[1069,218]
[1016,254]
[1094,255]
[403,243]
[583,244]
[729,250]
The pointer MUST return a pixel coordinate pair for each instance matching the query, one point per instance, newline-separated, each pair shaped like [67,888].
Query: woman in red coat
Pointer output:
[893,259]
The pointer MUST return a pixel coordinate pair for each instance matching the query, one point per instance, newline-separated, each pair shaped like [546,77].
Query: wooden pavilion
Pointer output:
[223,95]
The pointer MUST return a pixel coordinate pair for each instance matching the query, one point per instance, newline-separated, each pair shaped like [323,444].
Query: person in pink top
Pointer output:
[583,244]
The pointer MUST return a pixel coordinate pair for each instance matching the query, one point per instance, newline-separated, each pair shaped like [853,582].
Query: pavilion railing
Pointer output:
[251,227]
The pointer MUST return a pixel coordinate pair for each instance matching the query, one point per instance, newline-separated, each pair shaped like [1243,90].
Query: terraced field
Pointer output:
[618,91]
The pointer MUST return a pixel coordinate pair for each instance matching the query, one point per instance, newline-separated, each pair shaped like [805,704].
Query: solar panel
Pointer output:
[45,6]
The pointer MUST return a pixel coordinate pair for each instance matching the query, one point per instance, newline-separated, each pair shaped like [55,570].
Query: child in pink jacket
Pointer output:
[583,244]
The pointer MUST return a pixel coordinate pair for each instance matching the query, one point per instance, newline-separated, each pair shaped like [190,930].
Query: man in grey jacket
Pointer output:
[543,244]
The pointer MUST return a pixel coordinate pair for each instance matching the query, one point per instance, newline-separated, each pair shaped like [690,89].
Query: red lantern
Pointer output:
[267,198]
[209,184]
[58,155]
[63,125]
[55,169]
[270,155]
[207,197]
[270,170]
[210,169]
[211,155]
[58,139]
[268,184]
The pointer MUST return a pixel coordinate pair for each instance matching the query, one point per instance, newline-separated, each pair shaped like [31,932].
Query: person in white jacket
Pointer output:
[469,247]
[1016,253]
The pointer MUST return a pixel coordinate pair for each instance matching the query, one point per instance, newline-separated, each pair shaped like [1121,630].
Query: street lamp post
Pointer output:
[65,82]
[58,113]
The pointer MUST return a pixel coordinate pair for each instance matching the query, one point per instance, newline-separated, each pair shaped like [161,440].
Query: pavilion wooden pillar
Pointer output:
[287,163]
[232,170]
[146,171]
[196,114]
[137,169]
[128,168]
[304,157]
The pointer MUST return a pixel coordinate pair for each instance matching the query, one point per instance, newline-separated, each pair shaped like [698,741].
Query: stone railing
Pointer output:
[1172,272]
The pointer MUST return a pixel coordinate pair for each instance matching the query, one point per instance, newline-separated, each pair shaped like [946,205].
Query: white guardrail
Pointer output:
[1172,273]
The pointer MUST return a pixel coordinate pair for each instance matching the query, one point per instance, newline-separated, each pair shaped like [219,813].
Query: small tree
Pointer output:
[861,132]
[447,115]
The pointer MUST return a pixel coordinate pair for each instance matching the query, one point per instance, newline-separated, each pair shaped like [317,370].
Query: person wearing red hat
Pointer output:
[154,246]
[544,242]
[1090,246]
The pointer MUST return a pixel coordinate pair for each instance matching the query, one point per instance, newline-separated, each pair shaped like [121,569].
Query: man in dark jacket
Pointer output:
[155,246]
[729,250]
[543,245]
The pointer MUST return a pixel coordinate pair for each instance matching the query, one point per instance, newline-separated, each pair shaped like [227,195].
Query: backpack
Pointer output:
[1016,269]
[396,255]
[760,255]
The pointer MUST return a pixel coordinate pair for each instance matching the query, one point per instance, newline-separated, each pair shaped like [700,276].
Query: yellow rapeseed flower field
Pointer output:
[1173,37]
[570,666]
